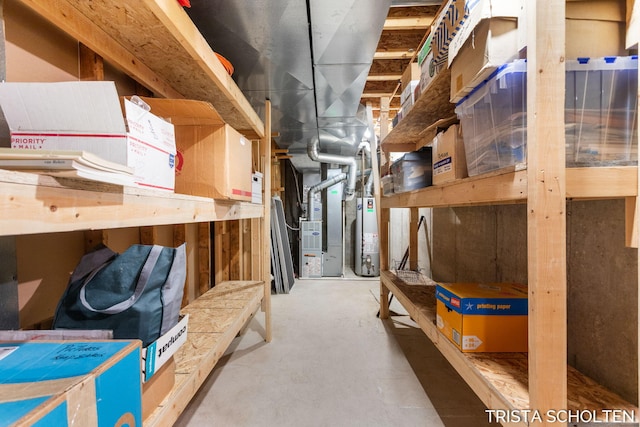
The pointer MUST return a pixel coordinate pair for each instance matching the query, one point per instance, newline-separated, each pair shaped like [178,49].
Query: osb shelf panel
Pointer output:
[499,379]
[214,321]
[430,107]
[33,203]
[156,43]
[510,186]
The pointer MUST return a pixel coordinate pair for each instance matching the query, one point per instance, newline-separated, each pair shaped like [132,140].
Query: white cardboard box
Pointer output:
[160,351]
[256,188]
[88,116]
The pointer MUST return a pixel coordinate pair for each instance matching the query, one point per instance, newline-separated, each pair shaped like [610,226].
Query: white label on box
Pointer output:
[158,352]
[443,166]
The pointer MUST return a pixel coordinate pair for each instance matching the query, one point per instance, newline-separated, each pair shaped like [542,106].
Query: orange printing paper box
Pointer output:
[213,159]
[480,317]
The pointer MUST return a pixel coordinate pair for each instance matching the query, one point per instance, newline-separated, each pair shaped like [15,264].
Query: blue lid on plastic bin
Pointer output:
[517,66]
[603,63]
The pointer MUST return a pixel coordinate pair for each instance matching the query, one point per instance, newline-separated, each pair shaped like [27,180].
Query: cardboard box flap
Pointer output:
[185,112]
[77,107]
[601,10]
[484,9]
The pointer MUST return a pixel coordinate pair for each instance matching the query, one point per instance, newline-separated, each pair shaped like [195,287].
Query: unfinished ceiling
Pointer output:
[318,61]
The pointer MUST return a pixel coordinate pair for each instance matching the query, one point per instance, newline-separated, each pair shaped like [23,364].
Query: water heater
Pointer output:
[367,251]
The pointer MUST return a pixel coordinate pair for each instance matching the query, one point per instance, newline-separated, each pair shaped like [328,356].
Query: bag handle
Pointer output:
[145,273]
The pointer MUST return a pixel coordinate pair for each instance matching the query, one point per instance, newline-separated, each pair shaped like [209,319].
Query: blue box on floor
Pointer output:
[70,383]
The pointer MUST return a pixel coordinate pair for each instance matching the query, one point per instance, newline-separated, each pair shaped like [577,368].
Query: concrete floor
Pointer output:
[332,362]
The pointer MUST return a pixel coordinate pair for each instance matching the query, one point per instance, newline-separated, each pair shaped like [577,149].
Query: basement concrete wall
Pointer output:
[490,244]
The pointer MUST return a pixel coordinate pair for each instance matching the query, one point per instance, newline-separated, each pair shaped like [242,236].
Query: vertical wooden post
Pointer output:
[384,116]
[91,65]
[266,222]
[637,220]
[256,250]
[546,206]
[204,257]
[245,252]
[413,238]
[235,253]
[384,260]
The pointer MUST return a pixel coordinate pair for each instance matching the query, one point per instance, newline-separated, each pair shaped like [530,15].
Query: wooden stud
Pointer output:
[245,250]
[631,222]
[384,117]
[384,260]
[235,254]
[90,63]
[204,257]
[266,221]
[413,238]
[256,250]
[546,206]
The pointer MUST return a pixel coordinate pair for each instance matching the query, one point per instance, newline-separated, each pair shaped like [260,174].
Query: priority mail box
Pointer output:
[159,352]
[449,161]
[478,317]
[213,159]
[491,36]
[70,383]
[87,116]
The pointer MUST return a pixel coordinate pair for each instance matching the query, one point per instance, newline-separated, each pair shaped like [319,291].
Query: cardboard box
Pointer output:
[428,71]
[213,159]
[633,25]
[490,37]
[155,390]
[70,383]
[449,161]
[494,44]
[595,28]
[446,26]
[256,188]
[479,317]
[412,73]
[88,116]
[159,352]
[151,148]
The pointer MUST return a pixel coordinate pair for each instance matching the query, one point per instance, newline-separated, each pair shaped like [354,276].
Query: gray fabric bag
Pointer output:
[136,294]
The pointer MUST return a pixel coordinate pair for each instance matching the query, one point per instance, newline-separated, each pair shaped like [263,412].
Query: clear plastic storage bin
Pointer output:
[493,120]
[601,111]
[412,171]
[601,115]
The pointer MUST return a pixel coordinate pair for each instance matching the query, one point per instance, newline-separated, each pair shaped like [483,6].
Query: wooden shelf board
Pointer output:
[157,44]
[34,203]
[510,186]
[215,319]
[430,107]
[499,379]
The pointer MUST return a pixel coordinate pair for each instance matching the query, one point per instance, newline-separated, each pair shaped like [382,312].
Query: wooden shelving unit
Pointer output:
[499,379]
[541,379]
[156,43]
[215,319]
[34,204]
